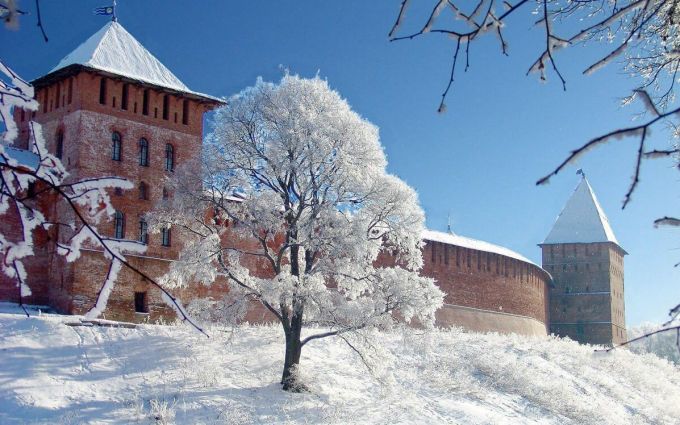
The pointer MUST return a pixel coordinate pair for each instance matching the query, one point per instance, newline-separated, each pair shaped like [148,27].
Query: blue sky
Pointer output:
[478,161]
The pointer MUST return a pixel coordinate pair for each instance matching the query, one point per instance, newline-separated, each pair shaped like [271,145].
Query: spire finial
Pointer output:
[448,223]
[114,18]
[580,172]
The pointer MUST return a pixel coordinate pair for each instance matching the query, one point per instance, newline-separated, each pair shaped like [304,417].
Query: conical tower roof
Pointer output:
[582,220]
[115,51]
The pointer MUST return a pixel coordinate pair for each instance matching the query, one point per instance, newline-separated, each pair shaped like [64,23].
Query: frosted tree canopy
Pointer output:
[296,183]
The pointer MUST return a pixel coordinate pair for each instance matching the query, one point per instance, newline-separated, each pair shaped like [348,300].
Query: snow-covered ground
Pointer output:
[57,374]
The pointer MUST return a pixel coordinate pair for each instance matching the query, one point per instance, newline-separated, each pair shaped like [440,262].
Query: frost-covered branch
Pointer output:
[640,131]
[26,175]
[665,328]
[301,209]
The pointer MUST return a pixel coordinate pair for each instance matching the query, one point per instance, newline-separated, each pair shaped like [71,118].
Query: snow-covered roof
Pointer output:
[112,49]
[582,220]
[453,239]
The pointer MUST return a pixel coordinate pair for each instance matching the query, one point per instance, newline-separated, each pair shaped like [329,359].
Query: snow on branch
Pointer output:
[642,131]
[316,212]
[26,175]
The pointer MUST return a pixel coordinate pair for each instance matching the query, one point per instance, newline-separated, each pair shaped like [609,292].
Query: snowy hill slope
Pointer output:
[53,373]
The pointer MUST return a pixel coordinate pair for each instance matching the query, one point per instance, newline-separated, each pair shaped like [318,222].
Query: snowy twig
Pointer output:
[641,130]
[646,335]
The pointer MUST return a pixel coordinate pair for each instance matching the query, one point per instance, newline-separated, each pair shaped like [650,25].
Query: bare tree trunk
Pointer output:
[289,378]
[293,331]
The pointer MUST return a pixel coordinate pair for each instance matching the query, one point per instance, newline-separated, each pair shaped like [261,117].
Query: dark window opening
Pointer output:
[58,95]
[165,193]
[166,107]
[143,191]
[113,102]
[165,236]
[102,91]
[141,305]
[118,191]
[185,112]
[169,157]
[580,329]
[135,108]
[124,97]
[175,117]
[23,115]
[70,90]
[30,191]
[45,100]
[116,143]
[59,152]
[119,225]
[155,112]
[143,152]
[145,102]
[143,232]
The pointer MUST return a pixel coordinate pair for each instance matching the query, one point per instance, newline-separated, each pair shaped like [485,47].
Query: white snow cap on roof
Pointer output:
[113,49]
[582,220]
[453,239]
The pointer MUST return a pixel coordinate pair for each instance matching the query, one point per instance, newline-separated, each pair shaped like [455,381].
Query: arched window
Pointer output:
[143,152]
[116,142]
[59,151]
[119,225]
[143,192]
[169,157]
[165,236]
[143,231]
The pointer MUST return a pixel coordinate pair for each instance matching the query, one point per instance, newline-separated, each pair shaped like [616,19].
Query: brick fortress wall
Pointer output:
[76,108]
[484,291]
[586,301]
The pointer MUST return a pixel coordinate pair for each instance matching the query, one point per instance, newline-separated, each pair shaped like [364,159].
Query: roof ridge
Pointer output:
[113,49]
[582,219]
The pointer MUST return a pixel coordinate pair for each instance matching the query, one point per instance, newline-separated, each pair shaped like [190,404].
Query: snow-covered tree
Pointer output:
[298,213]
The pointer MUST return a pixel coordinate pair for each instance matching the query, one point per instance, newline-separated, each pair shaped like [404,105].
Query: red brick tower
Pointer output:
[110,108]
[586,263]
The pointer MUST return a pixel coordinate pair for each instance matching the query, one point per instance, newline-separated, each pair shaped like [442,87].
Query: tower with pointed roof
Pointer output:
[586,263]
[110,108]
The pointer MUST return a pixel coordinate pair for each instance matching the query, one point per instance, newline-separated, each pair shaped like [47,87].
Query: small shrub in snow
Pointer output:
[162,411]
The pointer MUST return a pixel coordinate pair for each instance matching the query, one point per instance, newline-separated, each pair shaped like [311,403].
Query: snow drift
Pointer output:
[53,373]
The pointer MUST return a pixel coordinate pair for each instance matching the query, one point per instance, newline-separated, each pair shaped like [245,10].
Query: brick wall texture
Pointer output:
[484,290]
